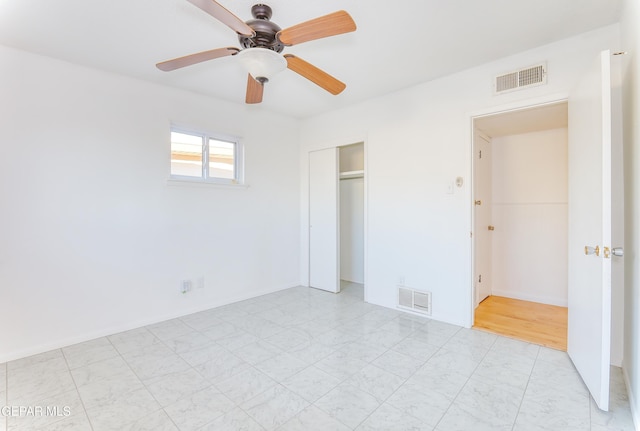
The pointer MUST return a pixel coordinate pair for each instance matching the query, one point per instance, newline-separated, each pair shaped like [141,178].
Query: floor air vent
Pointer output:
[523,78]
[414,300]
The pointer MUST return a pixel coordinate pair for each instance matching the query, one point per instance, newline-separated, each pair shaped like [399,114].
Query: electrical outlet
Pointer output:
[185,286]
[201,282]
[401,280]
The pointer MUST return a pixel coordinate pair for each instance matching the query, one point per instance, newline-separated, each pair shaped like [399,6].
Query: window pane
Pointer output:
[186,155]
[221,159]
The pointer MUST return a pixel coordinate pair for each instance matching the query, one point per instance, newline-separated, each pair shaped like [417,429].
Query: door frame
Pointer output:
[337,144]
[521,105]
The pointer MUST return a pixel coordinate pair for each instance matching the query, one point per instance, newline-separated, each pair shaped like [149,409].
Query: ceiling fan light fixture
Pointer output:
[262,41]
[261,63]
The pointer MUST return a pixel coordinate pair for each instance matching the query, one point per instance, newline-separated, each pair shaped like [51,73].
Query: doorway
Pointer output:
[520,231]
[351,191]
[337,219]
[595,176]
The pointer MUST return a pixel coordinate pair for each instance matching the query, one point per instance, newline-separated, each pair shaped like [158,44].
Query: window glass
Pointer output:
[186,155]
[201,156]
[221,159]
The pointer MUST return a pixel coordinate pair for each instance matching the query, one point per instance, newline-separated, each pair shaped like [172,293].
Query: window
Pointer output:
[204,157]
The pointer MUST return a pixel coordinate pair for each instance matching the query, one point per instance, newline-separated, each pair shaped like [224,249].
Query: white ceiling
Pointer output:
[398,44]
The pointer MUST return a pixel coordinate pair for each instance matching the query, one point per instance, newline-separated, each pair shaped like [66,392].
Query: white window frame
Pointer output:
[238,157]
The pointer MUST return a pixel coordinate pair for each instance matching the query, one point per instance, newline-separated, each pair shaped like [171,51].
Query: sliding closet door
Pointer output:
[323,220]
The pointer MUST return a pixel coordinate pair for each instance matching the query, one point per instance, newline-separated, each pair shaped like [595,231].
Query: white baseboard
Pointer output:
[560,302]
[70,341]
[352,279]
[435,317]
[635,414]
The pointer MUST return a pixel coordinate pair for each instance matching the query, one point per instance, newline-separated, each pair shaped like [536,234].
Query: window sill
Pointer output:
[176,182]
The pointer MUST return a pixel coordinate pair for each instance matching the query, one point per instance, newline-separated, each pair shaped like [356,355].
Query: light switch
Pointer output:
[450,188]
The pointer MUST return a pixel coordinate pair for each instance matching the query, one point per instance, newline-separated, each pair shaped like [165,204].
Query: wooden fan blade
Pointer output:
[220,13]
[315,75]
[254,90]
[199,57]
[329,25]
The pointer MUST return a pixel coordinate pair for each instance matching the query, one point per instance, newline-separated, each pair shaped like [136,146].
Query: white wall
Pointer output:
[529,208]
[94,240]
[631,108]
[418,141]
[352,158]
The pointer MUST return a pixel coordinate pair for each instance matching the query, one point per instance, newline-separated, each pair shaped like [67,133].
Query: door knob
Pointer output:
[617,251]
[592,250]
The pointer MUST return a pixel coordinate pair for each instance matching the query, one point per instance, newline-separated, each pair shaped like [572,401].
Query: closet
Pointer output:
[337,218]
[351,214]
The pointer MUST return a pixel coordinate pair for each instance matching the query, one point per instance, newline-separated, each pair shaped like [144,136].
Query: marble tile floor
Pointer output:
[303,359]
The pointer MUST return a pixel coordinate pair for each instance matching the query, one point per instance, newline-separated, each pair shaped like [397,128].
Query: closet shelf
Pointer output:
[351,174]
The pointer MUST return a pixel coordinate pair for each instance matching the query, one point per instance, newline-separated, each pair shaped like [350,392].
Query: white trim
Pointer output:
[338,142]
[472,223]
[560,302]
[519,105]
[635,414]
[414,313]
[42,348]
[202,183]
[365,256]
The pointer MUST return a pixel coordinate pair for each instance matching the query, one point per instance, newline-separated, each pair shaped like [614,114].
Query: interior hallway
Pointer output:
[533,322]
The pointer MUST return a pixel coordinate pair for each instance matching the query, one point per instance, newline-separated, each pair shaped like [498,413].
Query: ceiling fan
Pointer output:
[262,41]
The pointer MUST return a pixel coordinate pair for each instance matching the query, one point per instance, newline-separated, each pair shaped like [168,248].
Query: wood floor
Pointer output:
[528,321]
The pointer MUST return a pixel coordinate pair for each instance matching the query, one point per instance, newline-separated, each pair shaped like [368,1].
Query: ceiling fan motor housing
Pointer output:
[265,30]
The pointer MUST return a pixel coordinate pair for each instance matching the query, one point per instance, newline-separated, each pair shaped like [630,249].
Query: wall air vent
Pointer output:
[523,78]
[414,300]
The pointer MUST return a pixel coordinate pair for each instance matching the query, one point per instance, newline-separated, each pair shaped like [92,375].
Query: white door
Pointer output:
[589,327]
[323,220]
[482,217]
